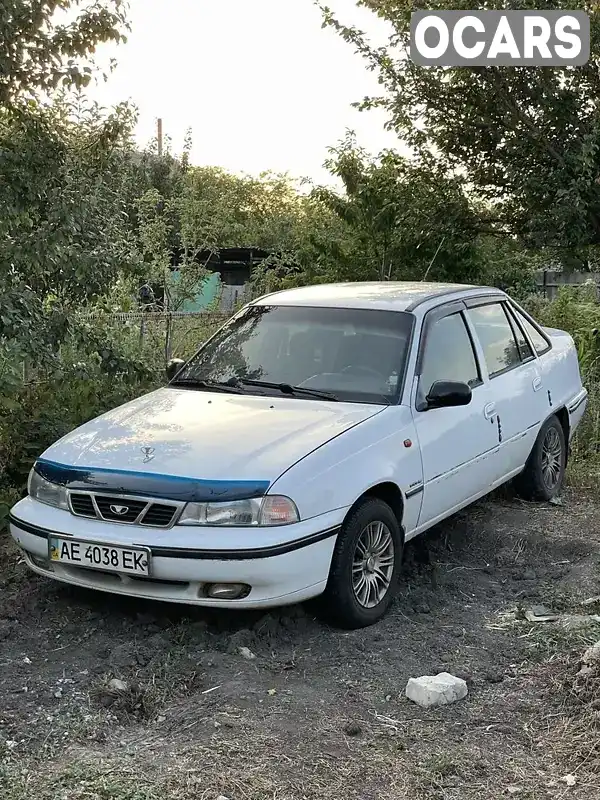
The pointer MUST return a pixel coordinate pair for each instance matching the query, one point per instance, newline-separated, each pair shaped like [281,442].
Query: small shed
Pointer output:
[231,269]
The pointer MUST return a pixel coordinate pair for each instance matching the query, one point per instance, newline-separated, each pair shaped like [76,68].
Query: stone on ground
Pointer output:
[436,690]
[117,685]
[592,654]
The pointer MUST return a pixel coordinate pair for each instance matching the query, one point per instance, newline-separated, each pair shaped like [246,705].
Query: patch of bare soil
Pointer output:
[111,699]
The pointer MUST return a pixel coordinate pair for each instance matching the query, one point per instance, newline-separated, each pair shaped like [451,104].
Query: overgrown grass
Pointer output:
[577,311]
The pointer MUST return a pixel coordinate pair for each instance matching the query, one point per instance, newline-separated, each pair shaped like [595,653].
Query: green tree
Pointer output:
[185,229]
[61,232]
[214,209]
[527,139]
[407,219]
[47,43]
[62,214]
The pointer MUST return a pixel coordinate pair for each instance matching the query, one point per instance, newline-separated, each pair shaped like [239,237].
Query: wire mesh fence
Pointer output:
[165,335]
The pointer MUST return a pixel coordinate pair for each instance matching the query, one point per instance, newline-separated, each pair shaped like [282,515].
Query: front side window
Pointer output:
[356,355]
[496,336]
[448,355]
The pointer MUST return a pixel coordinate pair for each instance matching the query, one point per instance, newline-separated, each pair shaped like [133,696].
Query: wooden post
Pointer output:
[168,337]
[160,138]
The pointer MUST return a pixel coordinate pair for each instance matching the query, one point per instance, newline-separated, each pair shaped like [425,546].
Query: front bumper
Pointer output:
[282,565]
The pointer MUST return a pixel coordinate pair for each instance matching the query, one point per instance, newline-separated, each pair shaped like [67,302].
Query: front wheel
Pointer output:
[365,567]
[544,473]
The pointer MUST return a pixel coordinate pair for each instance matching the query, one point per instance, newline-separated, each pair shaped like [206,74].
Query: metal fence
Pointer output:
[166,335]
[550,281]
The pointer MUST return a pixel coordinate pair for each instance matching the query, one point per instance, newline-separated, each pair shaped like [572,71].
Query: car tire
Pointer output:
[544,473]
[365,567]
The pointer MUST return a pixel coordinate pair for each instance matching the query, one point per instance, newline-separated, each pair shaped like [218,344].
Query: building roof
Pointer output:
[389,295]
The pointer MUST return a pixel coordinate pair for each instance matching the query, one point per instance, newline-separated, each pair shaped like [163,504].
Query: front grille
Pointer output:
[83,505]
[125,510]
[159,516]
[116,509]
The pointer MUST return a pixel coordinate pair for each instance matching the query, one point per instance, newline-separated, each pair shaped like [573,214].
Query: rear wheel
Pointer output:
[544,473]
[365,567]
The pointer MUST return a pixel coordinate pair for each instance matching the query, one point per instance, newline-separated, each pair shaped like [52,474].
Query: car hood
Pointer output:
[206,435]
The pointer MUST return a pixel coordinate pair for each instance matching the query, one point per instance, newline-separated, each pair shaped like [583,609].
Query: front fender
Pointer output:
[382,449]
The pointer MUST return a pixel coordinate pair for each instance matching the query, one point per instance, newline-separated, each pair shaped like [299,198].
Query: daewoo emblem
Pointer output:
[120,511]
[148,454]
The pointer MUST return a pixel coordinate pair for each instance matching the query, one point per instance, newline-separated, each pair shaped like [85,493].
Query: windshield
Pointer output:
[356,355]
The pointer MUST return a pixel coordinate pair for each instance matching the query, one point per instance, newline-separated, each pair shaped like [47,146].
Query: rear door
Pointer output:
[459,446]
[542,347]
[514,378]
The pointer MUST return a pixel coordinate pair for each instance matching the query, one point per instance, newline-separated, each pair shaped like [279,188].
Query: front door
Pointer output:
[459,446]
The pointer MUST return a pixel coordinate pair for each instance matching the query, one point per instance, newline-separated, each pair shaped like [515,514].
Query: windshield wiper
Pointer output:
[213,386]
[286,388]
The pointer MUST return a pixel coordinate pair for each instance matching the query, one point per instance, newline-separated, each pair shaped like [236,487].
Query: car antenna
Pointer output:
[434,258]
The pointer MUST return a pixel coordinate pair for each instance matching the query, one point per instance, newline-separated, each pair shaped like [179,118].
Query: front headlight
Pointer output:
[262,512]
[45,492]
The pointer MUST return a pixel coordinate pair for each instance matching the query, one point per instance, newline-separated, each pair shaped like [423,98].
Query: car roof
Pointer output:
[385,295]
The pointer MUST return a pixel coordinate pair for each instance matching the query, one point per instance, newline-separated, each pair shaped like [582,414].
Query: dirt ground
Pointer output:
[318,713]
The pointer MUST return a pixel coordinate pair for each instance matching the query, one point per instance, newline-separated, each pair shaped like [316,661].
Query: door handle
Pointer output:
[537,384]
[489,410]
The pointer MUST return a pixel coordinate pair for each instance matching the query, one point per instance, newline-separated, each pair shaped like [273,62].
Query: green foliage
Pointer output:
[97,367]
[62,214]
[504,263]
[407,219]
[394,220]
[64,235]
[576,310]
[213,209]
[526,139]
[47,43]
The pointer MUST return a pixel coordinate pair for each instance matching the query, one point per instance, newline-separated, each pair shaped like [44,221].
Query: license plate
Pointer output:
[127,560]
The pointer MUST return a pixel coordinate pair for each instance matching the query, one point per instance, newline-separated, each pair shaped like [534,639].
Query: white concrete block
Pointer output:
[436,690]
[592,655]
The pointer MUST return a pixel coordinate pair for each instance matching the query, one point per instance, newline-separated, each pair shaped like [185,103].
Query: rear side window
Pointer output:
[448,355]
[496,336]
[540,343]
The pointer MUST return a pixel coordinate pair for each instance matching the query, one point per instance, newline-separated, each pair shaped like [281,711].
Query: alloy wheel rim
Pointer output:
[551,458]
[373,564]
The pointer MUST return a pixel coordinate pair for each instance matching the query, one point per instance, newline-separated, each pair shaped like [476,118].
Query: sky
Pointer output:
[259,82]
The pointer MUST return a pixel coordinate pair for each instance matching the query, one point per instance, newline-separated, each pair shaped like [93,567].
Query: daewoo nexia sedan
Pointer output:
[303,445]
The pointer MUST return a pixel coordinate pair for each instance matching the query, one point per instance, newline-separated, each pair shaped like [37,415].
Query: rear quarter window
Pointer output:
[540,343]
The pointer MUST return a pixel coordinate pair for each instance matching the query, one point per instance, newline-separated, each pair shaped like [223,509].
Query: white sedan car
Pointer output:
[303,445]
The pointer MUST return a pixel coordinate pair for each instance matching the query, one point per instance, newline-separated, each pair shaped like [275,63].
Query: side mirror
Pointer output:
[174,366]
[446,394]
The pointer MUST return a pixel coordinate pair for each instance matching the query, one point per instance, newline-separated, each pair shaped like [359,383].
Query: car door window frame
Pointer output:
[477,302]
[517,310]
[431,318]
[515,324]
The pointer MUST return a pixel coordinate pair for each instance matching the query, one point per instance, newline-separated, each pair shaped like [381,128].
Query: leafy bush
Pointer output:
[577,311]
[97,368]
[102,363]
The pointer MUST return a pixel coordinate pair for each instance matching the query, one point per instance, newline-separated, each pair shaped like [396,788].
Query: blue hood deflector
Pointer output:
[147,484]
